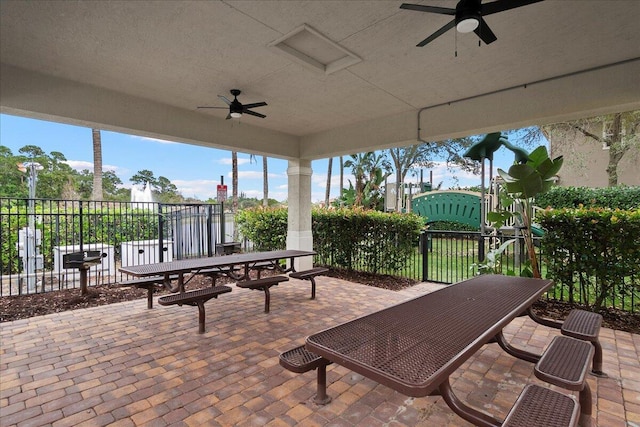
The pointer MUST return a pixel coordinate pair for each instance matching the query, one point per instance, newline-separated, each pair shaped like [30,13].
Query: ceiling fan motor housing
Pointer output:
[236,106]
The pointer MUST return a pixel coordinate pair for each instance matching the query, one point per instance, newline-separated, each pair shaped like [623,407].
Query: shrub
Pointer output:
[597,249]
[620,197]
[265,227]
[349,238]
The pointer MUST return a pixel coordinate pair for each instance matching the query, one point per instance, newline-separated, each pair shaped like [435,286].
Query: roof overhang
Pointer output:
[143,67]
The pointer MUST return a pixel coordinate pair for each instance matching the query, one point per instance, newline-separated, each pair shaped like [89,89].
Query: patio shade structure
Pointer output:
[339,77]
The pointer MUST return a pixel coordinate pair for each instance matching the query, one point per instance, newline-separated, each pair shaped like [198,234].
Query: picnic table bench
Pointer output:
[580,324]
[565,363]
[309,275]
[263,285]
[195,298]
[300,360]
[150,284]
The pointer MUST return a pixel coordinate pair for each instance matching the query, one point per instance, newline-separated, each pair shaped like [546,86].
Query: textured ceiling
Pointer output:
[183,54]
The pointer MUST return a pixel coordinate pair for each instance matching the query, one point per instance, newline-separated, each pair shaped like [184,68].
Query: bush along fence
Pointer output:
[357,240]
[620,197]
[396,244]
[593,255]
[36,235]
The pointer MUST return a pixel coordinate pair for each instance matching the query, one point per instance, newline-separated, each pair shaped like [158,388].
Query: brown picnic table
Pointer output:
[413,347]
[224,263]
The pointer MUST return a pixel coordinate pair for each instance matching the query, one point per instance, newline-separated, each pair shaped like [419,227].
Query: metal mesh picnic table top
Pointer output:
[412,347]
[194,264]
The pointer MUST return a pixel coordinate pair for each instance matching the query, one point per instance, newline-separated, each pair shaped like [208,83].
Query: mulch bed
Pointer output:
[25,306]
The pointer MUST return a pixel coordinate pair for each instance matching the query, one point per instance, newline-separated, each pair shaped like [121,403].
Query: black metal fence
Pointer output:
[454,256]
[35,236]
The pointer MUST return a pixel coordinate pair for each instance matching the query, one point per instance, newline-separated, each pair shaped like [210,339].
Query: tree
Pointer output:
[234,190]
[97,165]
[166,191]
[341,175]
[619,134]
[111,186]
[369,171]
[265,182]
[55,177]
[328,191]
[144,177]
[422,155]
[84,184]
[12,181]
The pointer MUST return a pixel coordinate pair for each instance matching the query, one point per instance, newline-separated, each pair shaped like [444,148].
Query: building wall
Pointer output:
[585,161]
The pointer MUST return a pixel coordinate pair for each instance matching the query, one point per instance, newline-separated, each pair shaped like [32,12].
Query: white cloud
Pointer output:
[320,180]
[228,161]
[161,141]
[201,188]
[253,193]
[80,165]
[249,175]
[277,195]
[256,175]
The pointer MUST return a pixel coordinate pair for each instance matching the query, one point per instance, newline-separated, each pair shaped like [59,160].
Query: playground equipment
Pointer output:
[471,207]
[456,206]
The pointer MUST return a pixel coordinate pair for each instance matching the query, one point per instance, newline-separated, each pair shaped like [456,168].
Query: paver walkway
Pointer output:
[124,365]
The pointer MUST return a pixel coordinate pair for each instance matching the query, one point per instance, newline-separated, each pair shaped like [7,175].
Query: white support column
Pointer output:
[299,234]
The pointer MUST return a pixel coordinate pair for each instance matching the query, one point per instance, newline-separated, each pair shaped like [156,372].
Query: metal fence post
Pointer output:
[425,256]
[160,233]
[223,222]
[210,231]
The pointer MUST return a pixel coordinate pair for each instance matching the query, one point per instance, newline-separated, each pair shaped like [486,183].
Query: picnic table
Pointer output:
[413,347]
[224,263]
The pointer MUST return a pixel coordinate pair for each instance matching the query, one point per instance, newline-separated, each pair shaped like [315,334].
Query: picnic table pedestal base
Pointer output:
[516,352]
[474,416]
[321,397]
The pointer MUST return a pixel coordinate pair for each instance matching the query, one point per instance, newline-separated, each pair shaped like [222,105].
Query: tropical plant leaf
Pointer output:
[499,218]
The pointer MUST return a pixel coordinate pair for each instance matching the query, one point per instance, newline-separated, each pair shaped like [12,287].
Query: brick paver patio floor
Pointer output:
[125,365]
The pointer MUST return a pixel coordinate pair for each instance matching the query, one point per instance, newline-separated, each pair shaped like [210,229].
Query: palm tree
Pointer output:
[369,171]
[234,181]
[326,195]
[234,191]
[97,165]
[341,176]
[265,182]
[265,178]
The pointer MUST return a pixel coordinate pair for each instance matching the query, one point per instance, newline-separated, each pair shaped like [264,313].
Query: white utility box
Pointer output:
[106,267]
[140,252]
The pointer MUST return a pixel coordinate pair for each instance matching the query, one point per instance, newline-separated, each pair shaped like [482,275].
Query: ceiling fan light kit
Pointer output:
[467,25]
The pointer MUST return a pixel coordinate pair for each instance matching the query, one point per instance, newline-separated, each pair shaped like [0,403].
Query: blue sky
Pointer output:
[195,170]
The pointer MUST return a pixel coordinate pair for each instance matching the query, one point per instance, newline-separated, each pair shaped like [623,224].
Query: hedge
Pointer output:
[593,254]
[620,197]
[348,238]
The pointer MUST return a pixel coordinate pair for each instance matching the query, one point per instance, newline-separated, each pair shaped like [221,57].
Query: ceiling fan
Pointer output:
[468,16]
[237,109]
